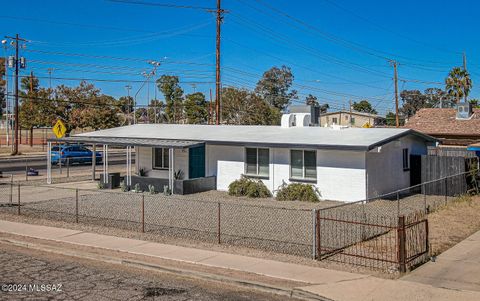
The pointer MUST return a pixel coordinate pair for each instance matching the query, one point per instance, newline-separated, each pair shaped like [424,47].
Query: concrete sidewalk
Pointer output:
[458,268]
[324,283]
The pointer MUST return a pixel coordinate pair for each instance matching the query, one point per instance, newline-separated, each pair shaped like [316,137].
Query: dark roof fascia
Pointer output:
[97,140]
[400,135]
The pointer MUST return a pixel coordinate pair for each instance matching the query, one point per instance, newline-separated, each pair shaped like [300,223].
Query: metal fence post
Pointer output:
[218,219]
[76,205]
[143,213]
[68,167]
[314,236]
[11,189]
[318,239]
[424,188]
[18,199]
[446,190]
[401,245]
[60,163]
[427,241]
[398,203]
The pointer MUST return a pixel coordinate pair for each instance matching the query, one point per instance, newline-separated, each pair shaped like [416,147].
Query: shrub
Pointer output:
[136,188]
[297,192]
[151,189]
[123,186]
[248,187]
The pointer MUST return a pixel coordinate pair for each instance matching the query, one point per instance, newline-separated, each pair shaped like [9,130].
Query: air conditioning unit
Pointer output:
[464,110]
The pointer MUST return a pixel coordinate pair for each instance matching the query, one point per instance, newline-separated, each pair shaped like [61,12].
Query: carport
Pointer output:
[128,143]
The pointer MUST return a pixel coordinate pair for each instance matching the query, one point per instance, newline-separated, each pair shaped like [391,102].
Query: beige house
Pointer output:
[353,119]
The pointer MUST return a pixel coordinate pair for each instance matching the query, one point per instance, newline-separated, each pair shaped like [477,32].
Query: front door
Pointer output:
[196,162]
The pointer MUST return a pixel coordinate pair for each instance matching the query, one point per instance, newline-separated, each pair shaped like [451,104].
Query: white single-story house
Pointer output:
[344,164]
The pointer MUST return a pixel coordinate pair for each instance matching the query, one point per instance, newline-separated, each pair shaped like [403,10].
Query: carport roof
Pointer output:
[167,143]
[187,135]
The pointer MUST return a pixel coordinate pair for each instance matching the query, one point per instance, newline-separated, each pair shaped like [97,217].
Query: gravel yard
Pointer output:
[262,224]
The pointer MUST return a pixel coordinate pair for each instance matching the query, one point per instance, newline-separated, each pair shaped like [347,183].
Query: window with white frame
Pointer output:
[257,161]
[303,164]
[160,158]
[406,159]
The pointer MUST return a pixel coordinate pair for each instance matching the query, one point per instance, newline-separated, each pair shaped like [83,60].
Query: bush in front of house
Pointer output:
[248,187]
[297,192]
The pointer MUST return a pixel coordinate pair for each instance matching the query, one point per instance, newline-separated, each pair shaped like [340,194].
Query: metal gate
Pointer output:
[384,242]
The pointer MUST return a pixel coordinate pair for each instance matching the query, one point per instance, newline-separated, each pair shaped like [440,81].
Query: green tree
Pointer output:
[324,108]
[413,100]
[311,100]
[240,106]
[475,102]
[458,83]
[126,104]
[274,87]
[196,108]
[391,119]
[364,106]
[30,83]
[173,93]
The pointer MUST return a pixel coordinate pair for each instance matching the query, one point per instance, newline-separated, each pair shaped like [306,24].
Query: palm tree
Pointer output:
[458,83]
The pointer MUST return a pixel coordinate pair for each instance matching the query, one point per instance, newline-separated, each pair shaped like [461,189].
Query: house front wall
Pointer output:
[340,174]
[385,172]
[344,119]
[145,162]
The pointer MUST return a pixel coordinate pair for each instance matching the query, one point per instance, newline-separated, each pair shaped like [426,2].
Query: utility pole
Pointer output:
[7,111]
[17,40]
[220,13]
[50,70]
[210,109]
[129,104]
[465,69]
[31,81]
[350,105]
[395,79]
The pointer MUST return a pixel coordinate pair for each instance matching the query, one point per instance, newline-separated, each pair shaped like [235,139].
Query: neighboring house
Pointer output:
[452,126]
[353,119]
[345,164]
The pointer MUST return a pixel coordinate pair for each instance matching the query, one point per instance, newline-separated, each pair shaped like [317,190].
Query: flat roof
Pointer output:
[272,136]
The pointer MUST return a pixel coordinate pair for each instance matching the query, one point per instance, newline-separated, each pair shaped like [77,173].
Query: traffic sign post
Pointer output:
[59,129]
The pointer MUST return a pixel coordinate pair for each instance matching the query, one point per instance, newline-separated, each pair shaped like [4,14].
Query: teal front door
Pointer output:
[196,162]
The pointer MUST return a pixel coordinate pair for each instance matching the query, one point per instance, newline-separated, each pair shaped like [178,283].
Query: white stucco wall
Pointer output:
[385,167]
[145,161]
[340,174]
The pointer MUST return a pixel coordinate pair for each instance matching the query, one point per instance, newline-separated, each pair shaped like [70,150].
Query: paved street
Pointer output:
[86,280]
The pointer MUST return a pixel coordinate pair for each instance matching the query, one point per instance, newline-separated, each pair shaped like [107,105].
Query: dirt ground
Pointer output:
[453,223]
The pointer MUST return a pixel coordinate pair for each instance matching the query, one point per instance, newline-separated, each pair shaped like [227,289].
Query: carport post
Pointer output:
[49,162]
[171,169]
[94,160]
[314,238]
[128,180]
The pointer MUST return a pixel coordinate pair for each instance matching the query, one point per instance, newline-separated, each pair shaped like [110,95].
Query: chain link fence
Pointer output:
[361,233]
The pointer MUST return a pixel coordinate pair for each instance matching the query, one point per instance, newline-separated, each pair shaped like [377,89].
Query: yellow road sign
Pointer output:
[59,129]
[367,125]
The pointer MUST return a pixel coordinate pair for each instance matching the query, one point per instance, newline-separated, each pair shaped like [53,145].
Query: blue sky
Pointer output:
[337,50]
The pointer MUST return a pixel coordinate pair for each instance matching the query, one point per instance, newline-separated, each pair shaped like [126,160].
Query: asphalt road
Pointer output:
[65,278]
[17,165]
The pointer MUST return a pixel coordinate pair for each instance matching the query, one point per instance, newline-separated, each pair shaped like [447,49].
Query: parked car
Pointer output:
[74,153]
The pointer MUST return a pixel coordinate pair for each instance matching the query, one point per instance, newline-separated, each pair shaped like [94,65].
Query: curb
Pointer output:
[296,293]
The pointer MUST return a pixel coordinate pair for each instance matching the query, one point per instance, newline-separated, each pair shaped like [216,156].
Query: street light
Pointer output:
[155,65]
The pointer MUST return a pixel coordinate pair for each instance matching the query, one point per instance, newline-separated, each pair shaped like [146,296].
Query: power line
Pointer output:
[333,3]
[167,5]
